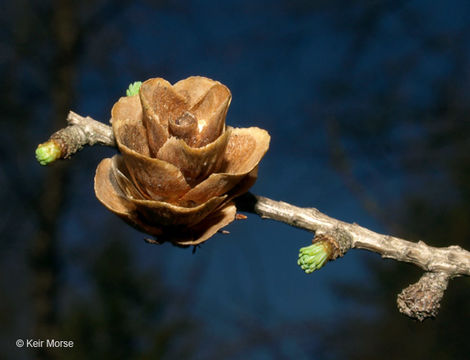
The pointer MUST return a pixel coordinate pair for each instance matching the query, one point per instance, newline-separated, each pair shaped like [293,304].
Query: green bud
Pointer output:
[313,257]
[133,88]
[48,152]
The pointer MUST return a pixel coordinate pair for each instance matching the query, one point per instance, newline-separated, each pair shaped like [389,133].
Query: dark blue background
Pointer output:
[348,90]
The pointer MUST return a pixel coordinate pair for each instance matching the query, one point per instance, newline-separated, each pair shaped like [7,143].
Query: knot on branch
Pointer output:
[421,300]
[338,240]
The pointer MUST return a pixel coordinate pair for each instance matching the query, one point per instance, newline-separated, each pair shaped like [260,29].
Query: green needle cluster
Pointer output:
[313,257]
[133,88]
[48,152]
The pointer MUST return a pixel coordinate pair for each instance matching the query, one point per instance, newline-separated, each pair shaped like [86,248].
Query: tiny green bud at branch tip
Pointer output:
[48,152]
[133,88]
[313,257]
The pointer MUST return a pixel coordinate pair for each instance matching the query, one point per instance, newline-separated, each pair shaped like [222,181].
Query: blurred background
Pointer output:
[367,104]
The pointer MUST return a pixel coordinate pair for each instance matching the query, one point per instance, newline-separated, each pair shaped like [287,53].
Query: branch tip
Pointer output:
[48,152]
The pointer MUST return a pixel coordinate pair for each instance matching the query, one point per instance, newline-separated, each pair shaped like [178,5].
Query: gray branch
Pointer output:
[82,131]
[419,301]
[452,260]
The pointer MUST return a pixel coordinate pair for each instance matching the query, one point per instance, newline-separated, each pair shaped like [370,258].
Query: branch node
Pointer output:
[338,240]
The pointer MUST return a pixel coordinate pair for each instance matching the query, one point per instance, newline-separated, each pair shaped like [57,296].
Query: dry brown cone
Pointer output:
[180,166]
